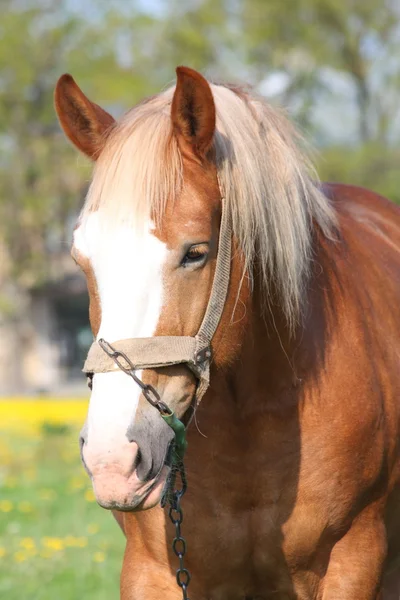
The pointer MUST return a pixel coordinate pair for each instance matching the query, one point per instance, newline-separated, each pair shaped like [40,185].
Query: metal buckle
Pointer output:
[203,356]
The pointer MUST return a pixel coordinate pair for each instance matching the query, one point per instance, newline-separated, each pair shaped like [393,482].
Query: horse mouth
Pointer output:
[143,499]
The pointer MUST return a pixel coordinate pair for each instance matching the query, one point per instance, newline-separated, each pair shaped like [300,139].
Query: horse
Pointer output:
[293,452]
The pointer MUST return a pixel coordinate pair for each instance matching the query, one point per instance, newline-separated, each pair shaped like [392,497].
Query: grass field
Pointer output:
[56,543]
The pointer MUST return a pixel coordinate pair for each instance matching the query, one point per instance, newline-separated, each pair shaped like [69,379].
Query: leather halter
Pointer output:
[163,351]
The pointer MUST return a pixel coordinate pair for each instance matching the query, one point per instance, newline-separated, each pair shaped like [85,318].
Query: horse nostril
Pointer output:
[142,464]
[137,460]
[143,469]
[83,434]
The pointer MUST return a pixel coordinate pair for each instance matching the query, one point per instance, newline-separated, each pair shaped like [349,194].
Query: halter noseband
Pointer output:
[164,351]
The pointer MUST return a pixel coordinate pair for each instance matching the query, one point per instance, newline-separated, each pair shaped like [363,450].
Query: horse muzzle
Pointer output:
[129,473]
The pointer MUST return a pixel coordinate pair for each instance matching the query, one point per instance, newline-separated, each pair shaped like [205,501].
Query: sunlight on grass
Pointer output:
[55,542]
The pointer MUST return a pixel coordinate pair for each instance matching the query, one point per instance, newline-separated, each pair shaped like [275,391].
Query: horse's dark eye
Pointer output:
[195,255]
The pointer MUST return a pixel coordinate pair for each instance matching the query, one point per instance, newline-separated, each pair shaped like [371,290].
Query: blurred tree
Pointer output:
[317,42]
[313,55]
[334,63]
[41,184]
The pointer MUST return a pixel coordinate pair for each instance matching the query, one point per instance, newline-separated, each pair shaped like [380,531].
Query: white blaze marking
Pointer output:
[128,270]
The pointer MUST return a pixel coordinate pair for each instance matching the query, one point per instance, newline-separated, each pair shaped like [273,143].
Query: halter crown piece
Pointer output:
[164,351]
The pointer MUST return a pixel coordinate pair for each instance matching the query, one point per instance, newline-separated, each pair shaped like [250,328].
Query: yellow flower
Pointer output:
[53,543]
[28,416]
[27,543]
[75,542]
[25,507]
[6,506]
[89,496]
[20,556]
[77,483]
[99,557]
[93,528]
[3,552]
[69,540]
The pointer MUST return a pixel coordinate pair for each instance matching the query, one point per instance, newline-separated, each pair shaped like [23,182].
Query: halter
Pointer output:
[135,354]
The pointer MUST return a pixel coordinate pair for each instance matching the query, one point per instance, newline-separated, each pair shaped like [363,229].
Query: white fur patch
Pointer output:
[128,269]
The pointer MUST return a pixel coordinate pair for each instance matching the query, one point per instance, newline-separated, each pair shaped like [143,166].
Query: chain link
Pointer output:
[126,365]
[175,512]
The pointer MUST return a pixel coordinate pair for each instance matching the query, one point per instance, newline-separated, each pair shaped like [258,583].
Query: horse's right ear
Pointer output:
[193,112]
[84,123]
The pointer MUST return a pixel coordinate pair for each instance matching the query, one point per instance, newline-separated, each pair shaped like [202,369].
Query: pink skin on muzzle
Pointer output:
[115,481]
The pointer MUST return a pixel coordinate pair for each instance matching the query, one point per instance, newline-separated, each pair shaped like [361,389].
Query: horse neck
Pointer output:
[274,360]
[267,360]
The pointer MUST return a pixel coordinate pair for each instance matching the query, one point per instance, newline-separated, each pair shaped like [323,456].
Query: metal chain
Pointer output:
[171,495]
[175,512]
[127,367]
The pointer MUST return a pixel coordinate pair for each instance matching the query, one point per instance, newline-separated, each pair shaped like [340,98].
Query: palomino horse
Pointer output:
[293,453]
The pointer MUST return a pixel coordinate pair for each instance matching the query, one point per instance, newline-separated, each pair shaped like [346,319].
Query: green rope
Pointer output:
[178,452]
[180,436]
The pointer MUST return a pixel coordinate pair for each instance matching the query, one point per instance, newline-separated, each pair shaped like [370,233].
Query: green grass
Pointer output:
[55,541]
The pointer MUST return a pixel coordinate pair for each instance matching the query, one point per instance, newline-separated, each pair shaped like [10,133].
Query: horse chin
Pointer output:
[153,496]
[143,499]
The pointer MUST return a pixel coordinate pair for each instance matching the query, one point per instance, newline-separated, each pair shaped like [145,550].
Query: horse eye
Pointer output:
[195,255]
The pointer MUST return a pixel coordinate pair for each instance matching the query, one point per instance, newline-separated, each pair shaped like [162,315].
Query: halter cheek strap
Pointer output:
[164,351]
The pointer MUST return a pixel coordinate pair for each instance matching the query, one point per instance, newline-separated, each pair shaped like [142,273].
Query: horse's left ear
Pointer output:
[193,112]
[85,123]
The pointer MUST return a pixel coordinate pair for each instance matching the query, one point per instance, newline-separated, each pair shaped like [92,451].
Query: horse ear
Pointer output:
[193,112]
[84,123]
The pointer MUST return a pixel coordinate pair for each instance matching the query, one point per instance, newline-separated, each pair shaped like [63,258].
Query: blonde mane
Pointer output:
[267,183]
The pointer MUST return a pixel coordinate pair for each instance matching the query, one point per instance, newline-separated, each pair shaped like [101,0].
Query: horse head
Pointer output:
[147,242]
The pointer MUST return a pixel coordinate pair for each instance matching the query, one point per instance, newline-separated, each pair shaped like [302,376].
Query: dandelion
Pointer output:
[25,507]
[28,543]
[77,483]
[6,506]
[3,552]
[99,557]
[89,496]
[93,528]
[75,542]
[69,541]
[20,556]
[53,543]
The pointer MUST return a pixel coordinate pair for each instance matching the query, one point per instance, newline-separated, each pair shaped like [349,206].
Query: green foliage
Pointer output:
[345,54]
[42,184]
[371,166]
